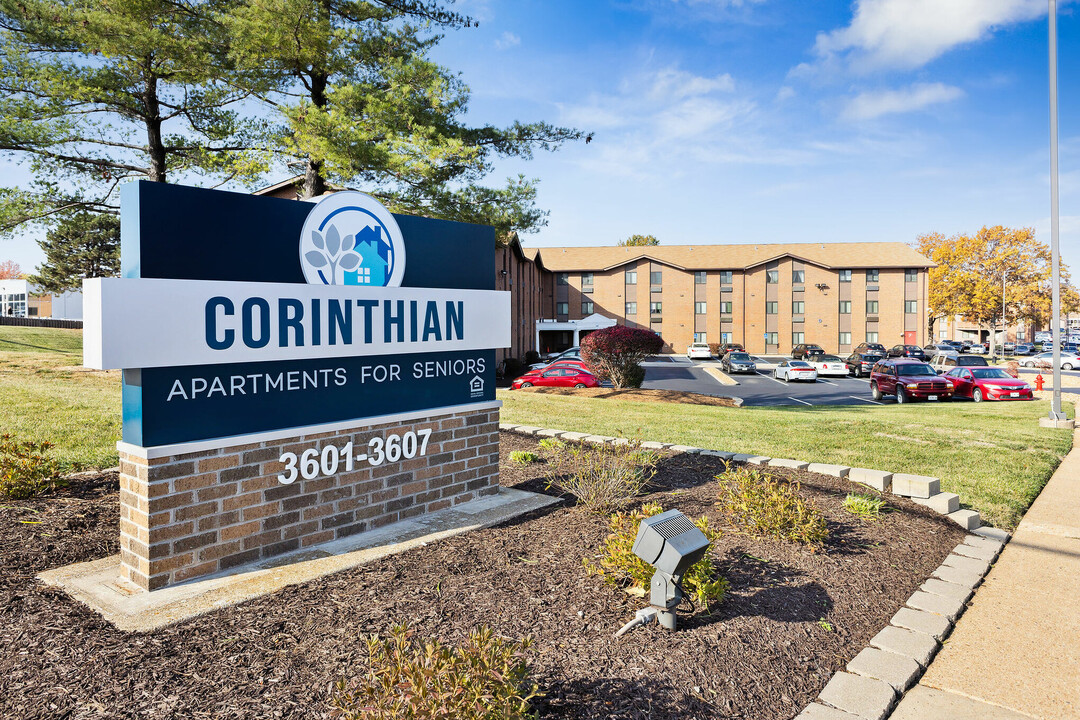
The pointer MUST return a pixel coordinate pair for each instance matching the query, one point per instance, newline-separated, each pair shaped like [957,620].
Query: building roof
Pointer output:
[734,257]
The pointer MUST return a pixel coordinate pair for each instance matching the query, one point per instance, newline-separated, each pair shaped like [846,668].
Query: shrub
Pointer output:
[513,368]
[523,456]
[603,478]
[532,357]
[868,507]
[551,443]
[618,564]
[25,472]
[766,505]
[615,353]
[487,679]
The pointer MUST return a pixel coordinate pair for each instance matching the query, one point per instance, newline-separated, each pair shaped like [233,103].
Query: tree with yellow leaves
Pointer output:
[968,279]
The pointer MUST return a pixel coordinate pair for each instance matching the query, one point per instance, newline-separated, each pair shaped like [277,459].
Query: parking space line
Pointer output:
[800,401]
[872,402]
[770,377]
[827,382]
[861,380]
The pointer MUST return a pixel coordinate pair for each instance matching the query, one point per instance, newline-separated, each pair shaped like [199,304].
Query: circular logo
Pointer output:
[349,238]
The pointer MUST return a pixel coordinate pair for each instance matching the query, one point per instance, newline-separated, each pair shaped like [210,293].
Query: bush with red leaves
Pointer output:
[615,353]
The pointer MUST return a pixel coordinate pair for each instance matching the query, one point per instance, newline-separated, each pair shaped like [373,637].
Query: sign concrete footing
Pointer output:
[99,585]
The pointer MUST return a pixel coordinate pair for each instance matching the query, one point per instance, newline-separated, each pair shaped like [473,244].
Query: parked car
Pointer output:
[979,348]
[802,351]
[557,375]
[1024,349]
[860,364]
[725,348]
[1046,359]
[573,353]
[944,363]
[939,349]
[954,344]
[737,361]
[1008,348]
[987,383]
[908,380]
[1070,347]
[909,351]
[794,370]
[868,348]
[828,365]
[698,351]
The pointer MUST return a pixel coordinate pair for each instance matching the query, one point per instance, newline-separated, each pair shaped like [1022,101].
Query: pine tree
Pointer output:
[83,245]
[361,103]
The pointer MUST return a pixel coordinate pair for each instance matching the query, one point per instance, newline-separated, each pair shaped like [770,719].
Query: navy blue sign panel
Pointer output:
[172,231]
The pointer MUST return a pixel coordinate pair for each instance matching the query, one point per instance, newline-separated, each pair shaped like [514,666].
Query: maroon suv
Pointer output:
[908,380]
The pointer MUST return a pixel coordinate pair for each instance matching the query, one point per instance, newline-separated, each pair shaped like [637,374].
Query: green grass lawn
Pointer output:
[45,394]
[993,455]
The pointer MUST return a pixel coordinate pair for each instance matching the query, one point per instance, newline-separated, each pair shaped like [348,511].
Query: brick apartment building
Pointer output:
[767,297]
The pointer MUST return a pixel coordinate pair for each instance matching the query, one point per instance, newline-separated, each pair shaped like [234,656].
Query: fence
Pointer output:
[40,322]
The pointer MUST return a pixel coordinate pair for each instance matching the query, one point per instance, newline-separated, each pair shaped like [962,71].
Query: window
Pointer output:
[798,307]
[586,279]
[845,307]
[911,306]
[845,338]
[364,276]
[911,275]
[871,307]
[562,308]
[871,276]
[798,338]
[772,308]
[798,277]
[699,277]
[871,337]
[845,276]
[656,308]
[1020,335]
[725,337]
[631,308]
[772,276]
[699,338]
[772,338]
[631,277]
[586,307]
[944,334]
[656,277]
[725,308]
[562,278]
[699,308]
[726,277]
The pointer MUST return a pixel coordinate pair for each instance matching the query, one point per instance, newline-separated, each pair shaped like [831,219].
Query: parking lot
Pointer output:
[676,372]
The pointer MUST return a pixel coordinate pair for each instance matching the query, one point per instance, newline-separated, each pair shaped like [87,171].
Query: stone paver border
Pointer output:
[877,677]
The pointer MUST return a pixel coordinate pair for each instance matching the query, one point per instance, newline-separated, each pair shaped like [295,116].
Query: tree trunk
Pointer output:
[155,145]
[314,182]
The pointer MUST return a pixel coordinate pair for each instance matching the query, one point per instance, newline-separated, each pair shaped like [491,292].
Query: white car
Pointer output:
[795,370]
[698,351]
[828,365]
[1069,361]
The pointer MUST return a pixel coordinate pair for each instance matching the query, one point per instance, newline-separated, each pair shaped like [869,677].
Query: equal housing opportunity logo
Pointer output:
[349,238]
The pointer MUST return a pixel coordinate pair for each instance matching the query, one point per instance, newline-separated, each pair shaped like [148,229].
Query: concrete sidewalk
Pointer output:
[1015,653]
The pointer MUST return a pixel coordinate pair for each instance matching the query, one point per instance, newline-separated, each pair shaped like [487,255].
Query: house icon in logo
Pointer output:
[372,268]
[476,386]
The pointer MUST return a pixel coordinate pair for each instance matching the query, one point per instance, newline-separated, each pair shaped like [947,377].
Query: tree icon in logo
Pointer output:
[331,252]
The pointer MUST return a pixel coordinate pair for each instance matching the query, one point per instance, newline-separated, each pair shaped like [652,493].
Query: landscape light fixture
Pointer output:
[671,543]
[821,286]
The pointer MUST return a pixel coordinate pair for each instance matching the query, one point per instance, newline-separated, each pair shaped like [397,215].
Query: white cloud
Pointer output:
[870,105]
[786,92]
[674,84]
[907,34]
[507,40]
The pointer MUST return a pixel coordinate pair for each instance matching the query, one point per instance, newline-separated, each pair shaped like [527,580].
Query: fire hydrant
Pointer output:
[1039,381]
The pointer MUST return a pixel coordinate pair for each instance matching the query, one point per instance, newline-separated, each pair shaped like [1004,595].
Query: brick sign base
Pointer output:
[186,514]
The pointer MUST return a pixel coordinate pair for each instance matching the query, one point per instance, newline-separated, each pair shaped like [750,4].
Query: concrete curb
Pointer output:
[877,678]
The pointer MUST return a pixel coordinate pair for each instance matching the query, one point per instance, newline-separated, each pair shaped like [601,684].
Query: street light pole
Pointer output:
[1004,324]
[1055,290]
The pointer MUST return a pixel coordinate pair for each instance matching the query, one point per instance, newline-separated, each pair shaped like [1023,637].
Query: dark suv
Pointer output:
[804,351]
[909,351]
[860,364]
[908,380]
[737,361]
[869,348]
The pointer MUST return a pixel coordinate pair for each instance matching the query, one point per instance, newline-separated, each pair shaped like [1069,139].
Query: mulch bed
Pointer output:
[638,395]
[791,617]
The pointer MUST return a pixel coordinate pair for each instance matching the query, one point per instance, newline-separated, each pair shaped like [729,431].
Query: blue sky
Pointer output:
[727,121]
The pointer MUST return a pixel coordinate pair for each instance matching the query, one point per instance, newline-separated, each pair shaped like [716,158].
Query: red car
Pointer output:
[988,383]
[561,374]
[908,380]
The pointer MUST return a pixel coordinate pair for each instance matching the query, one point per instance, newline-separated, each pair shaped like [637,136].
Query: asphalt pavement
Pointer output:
[676,372]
